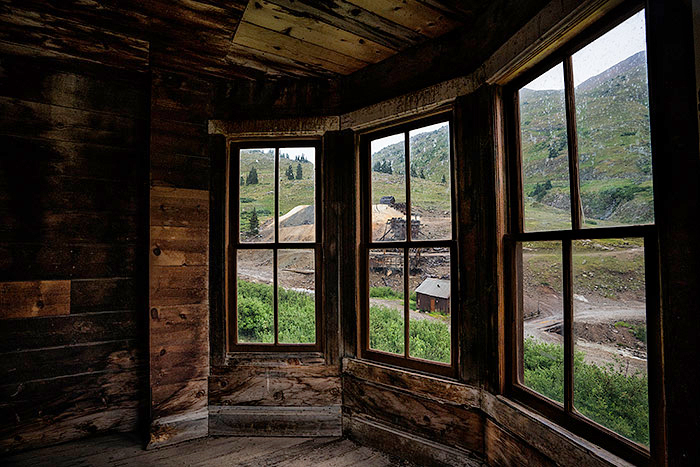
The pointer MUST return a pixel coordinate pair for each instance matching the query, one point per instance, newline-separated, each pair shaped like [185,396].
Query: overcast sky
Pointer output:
[622,42]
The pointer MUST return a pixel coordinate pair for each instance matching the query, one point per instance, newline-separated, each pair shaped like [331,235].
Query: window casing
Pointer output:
[570,248]
[389,247]
[283,255]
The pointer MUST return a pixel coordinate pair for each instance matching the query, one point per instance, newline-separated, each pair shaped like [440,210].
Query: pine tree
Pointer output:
[253,223]
[377,167]
[422,174]
[389,170]
[443,179]
[413,172]
[252,177]
[299,173]
[289,172]
[242,180]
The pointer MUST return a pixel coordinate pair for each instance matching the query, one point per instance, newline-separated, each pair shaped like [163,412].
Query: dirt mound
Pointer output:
[300,215]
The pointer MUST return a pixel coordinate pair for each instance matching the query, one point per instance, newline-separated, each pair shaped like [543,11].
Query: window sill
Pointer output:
[272,359]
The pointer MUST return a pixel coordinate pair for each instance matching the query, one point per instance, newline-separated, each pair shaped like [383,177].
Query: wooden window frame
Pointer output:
[565,414]
[366,245]
[234,244]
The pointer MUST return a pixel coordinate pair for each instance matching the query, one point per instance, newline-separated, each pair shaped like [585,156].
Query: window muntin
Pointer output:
[582,286]
[274,265]
[408,176]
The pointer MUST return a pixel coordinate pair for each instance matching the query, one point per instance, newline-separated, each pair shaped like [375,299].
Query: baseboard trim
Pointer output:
[275,421]
[174,429]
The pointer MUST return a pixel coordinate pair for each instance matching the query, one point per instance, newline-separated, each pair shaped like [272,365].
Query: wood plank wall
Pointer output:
[72,183]
[179,257]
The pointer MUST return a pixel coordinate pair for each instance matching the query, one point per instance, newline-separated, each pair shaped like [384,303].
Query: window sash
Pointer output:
[234,244]
[367,245]
[566,415]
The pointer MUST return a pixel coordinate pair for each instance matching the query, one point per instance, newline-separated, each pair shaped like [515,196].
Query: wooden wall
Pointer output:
[74,147]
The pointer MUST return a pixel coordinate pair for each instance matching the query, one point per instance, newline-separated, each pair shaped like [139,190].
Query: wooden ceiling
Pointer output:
[338,37]
[253,39]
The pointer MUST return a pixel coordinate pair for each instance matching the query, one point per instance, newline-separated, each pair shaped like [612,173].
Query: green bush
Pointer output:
[605,394]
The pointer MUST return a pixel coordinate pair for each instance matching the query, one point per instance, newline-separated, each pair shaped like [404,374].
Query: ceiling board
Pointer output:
[349,17]
[274,43]
[277,18]
[411,14]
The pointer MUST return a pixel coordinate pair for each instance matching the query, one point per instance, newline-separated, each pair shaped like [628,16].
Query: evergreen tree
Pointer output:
[289,172]
[413,171]
[253,223]
[443,179]
[252,178]
[389,170]
[422,174]
[377,167]
[242,180]
[299,174]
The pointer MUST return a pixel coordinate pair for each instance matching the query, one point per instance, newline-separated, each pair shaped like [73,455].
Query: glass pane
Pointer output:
[543,141]
[388,188]
[431,199]
[612,117]
[386,301]
[257,195]
[543,315]
[297,196]
[296,295]
[255,297]
[610,335]
[430,304]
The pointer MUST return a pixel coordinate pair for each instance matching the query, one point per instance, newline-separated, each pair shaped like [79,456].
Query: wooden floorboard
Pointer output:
[119,450]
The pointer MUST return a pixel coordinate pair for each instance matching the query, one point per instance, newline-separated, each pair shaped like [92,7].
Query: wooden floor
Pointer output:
[127,450]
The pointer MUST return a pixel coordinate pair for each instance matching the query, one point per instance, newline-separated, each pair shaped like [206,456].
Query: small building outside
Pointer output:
[434,295]
[390,200]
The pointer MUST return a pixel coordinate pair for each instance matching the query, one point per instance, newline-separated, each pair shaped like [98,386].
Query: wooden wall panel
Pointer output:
[179,257]
[32,299]
[71,194]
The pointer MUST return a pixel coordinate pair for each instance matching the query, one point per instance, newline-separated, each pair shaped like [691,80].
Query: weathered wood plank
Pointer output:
[406,445]
[170,137]
[178,285]
[179,246]
[53,362]
[255,37]
[32,261]
[448,423]
[181,97]
[349,17]
[77,160]
[177,170]
[502,449]
[30,119]
[411,14]
[275,421]
[45,82]
[177,428]
[32,299]
[276,18]
[179,207]
[39,413]
[50,35]
[92,295]
[25,334]
[299,387]
[272,64]
[178,398]
[426,386]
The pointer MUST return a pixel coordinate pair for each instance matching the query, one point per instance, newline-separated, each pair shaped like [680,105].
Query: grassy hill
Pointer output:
[430,153]
[261,195]
[613,141]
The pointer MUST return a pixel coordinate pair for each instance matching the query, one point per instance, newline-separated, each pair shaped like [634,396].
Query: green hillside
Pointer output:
[613,141]
[261,195]
[430,153]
